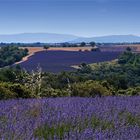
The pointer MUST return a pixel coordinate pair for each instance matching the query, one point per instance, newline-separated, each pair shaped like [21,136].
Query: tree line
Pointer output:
[11,54]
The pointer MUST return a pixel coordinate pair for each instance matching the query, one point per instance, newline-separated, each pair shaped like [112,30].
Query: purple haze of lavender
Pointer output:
[57,61]
[106,118]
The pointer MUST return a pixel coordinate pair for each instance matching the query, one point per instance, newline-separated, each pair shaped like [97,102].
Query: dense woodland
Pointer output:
[11,54]
[120,77]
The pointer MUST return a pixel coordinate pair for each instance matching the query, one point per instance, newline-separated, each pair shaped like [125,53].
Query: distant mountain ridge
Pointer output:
[37,37]
[111,39]
[60,38]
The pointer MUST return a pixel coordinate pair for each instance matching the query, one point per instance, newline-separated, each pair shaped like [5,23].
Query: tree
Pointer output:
[126,57]
[84,68]
[11,54]
[128,49]
[82,44]
[92,44]
[32,81]
[46,47]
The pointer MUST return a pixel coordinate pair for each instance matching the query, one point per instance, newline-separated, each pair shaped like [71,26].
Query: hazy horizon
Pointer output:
[86,18]
[69,34]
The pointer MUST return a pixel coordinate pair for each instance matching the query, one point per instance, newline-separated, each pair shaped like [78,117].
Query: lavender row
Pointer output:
[108,118]
[57,61]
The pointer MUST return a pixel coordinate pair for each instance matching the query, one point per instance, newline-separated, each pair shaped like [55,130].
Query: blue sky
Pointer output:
[78,17]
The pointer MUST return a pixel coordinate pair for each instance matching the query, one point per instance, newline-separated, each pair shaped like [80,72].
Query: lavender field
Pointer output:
[57,61]
[106,118]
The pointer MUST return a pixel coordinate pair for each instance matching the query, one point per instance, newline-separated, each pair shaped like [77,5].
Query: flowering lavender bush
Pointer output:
[106,118]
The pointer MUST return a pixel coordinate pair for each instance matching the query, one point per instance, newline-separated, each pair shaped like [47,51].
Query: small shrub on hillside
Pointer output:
[8,90]
[6,93]
[109,87]
[84,68]
[89,89]
[130,91]
[21,91]
[32,81]
[50,92]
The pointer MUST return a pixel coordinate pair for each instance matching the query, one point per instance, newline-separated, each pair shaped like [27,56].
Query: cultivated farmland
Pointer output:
[57,61]
[106,118]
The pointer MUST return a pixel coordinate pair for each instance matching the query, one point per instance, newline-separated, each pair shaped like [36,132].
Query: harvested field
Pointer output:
[37,49]
[34,49]
[115,48]
[70,48]
[57,61]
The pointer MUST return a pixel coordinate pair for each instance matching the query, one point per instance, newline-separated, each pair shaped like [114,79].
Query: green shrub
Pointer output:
[9,90]
[21,91]
[6,93]
[50,92]
[130,91]
[89,89]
